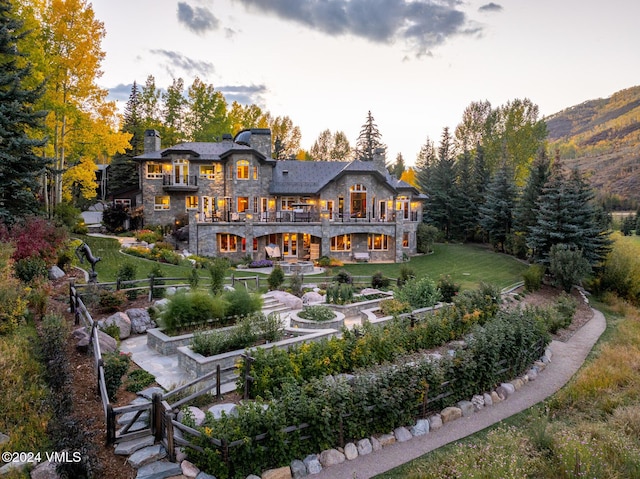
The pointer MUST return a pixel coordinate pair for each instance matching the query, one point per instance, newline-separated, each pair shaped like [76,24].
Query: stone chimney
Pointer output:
[151,141]
[379,160]
[257,138]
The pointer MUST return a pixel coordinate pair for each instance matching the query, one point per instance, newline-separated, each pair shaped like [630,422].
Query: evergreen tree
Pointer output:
[398,167]
[425,161]
[468,204]
[566,215]
[369,139]
[123,171]
[441,189]
[20,166]
[496,215]
[525,215]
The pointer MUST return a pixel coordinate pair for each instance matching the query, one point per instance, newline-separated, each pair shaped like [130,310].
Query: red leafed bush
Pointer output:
[35,237]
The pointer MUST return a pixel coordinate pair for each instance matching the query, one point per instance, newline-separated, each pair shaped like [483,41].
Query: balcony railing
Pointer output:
[301,217]
[181,180]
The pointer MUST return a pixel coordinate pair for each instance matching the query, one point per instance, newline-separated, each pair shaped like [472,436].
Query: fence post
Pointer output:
[171,447]
[151,280]
[247,377]
[156,414]
[111,425]
[257,282]
[71,302]
[218,383]
[76,308]
[118,284]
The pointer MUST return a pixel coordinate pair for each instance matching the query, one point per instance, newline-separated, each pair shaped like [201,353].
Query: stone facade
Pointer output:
[237,201]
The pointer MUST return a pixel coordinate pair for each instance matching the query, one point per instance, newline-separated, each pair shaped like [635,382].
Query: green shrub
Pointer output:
[116,366]
[317,313]
[217,270]
[406,273]
[186,309]
[110,301]
[127,272]
[323,261]
[138,379]
[148,236]
[242,303]
[448,289]
[112,330]
[533,277]
[343,276]
[31,269]
[393,307]
[568,266]
[295,284]
[244,334]
[339,293]
[418,292]
[271,326]
[426,236]
[275,278]
[156,274]
[379,281]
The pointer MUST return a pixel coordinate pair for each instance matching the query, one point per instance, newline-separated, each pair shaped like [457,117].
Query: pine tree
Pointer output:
[566,215]
[441,189]
[425,161]
[525,215]
[468,204]
[369,139]
[123,171]
[496,215]
[398,167]
[20,166]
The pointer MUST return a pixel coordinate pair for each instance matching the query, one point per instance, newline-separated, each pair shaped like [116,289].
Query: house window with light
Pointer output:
[378,242]
[207,171]
[191,202]
[242,169]
[358,195]
[154,171]
[255,172]
[243,204]
[341,243]
[227,243]
[161,203]
[405,239]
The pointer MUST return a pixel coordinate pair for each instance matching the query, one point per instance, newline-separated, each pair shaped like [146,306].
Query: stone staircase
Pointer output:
[272,305]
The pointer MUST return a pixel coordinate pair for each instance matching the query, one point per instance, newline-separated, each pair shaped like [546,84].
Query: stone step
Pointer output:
[126,448]
[159,470]
[147,455]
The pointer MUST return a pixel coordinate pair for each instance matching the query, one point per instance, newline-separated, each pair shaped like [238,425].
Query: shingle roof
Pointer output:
[303,177]
[206,151]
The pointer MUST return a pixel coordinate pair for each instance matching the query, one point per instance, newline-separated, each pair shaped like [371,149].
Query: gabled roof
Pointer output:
[204,151]
[303,177]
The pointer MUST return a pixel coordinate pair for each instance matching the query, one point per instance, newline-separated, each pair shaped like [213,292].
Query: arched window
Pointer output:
[242,169]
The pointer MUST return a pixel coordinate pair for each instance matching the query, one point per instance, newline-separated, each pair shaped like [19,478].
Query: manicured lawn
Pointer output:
[467,264]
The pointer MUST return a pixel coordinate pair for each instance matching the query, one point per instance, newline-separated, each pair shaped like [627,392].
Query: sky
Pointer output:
[415,64]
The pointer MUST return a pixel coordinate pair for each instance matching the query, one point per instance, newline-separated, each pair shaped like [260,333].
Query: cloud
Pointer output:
[422,24]
[120,92]
[185,64]
[490,7]
[197,19]
[244,94]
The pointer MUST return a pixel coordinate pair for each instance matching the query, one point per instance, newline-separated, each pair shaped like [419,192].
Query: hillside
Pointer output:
[602,138]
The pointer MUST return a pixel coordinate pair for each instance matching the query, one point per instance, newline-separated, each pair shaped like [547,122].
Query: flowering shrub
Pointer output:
[148,236]
[263,263]
[35,237]
[418,292]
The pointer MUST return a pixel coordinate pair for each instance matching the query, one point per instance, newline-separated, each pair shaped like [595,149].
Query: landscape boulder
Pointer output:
[331,457]
[121,320]
[55,273]
[140,320]
[311,297]
[288,299]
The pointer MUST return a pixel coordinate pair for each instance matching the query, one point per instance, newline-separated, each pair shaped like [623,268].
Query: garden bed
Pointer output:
[197,365]
[374,316]
[167,345]
[298,322]
[354,309]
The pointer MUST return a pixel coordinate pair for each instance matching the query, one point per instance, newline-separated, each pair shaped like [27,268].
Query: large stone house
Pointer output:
[240,202]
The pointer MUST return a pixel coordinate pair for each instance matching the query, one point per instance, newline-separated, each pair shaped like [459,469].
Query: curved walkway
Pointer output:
[567,358]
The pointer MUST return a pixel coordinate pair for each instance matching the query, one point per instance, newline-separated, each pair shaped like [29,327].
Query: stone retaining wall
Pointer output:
[298,322]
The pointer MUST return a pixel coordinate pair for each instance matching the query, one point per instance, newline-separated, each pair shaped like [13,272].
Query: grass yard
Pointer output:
[467,264]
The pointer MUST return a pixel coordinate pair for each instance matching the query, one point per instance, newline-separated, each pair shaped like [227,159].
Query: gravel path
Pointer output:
[567,358]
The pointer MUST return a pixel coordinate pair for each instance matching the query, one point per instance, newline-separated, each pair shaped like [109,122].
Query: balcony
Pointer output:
[180,183]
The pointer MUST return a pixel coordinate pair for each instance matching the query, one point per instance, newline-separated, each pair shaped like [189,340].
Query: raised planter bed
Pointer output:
[168,345]
[298,322]
[353,309]
[371,316]
[197,365]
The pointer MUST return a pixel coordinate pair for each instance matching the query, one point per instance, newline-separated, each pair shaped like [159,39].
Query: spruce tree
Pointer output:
[468,199]
[20,167]
[441,189]
[496,215]
[123,171]
[525,215]
[369,139]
